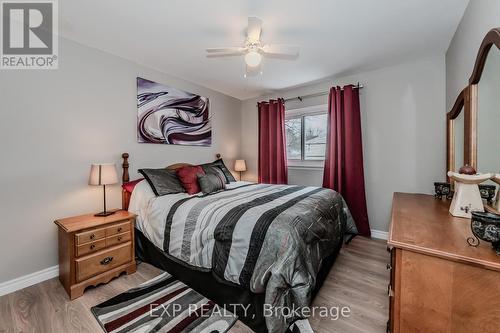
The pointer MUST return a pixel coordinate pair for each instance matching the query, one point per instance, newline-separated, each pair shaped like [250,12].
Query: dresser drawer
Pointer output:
[118,228]
[90,247]
[90,236]
[103,261]
[117,239]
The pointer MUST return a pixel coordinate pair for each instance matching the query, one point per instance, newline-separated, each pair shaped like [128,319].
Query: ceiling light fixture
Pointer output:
[253,58]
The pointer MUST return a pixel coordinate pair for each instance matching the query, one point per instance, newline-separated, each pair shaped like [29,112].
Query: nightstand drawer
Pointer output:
[90,247]
[90,236]
[103,261]
[118,228]
[117,239]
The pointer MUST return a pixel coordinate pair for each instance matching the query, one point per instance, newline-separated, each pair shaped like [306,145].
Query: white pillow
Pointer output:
[141,195]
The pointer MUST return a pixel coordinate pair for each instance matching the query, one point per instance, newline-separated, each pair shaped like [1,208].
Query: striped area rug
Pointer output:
[164,305]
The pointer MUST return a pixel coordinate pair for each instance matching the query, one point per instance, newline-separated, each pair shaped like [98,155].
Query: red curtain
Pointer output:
[272,148]
[344,153]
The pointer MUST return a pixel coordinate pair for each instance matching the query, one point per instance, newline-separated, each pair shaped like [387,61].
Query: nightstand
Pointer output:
[93,250]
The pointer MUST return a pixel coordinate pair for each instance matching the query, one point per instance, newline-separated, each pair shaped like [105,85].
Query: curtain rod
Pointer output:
[300,98]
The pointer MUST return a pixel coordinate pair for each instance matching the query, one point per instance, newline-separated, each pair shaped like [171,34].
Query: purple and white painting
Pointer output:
[171,116]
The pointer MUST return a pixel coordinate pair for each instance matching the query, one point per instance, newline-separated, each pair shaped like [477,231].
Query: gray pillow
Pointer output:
[162,181]
[214,170]
[210,182]
[220,164]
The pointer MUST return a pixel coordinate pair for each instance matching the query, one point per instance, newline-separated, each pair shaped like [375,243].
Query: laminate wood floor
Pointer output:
[358,280]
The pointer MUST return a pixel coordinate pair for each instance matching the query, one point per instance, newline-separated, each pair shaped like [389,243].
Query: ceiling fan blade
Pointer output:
[224,54]
[226,49]
[281,50]
[254,29]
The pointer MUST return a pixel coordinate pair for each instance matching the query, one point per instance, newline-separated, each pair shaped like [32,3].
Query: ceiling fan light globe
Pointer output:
[253,59]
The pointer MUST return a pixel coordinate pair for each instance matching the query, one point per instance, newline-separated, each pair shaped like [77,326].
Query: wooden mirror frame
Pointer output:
[467,99]
[450,130]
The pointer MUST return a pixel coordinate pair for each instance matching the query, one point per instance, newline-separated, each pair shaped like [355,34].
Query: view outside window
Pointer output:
[306,137]
[293,129]
[315,137]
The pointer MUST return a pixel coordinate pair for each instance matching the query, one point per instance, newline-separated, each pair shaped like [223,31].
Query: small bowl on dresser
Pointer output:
[487,192]
[485,226]
[442,189]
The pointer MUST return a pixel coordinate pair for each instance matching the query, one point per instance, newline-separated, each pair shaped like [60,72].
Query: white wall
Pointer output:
[403,122]
[479,18]
[55,123]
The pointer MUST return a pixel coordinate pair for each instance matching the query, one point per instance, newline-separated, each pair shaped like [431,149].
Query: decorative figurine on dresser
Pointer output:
[467,197]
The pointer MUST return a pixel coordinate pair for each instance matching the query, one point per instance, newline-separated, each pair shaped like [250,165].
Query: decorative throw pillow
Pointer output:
[129,186]
[210,183]
[188,177]
[162,181]
[220,164]
[214,170]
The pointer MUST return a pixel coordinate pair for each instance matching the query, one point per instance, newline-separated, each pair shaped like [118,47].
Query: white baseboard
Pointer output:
[379,234]
[8,287]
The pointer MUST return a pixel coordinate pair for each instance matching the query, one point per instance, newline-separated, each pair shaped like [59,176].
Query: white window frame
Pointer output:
[300,113]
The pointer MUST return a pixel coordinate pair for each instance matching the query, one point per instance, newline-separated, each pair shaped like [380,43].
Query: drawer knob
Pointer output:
[92,246]
[120,238]
[92,236]
[119,229]
[389,266]
[106,260]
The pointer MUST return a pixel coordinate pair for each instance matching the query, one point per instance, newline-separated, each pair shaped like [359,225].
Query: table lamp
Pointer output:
[103,174]
[240,166]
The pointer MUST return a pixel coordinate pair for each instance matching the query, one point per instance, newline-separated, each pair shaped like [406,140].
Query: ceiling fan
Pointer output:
[254,49]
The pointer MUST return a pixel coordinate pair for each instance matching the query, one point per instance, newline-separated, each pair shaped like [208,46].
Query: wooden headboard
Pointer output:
[126,177]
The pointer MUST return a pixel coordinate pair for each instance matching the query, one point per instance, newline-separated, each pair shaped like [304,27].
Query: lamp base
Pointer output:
[101,214]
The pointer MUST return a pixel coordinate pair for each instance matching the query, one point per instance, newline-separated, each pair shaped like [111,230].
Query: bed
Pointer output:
[252,244]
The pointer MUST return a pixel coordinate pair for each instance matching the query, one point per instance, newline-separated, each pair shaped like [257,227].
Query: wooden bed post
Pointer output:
[125,178]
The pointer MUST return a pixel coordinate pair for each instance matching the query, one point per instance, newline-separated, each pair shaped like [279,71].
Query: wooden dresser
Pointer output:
[438,282]
[94,250]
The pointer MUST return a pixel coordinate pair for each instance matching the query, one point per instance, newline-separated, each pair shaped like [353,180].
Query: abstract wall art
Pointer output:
[171,116]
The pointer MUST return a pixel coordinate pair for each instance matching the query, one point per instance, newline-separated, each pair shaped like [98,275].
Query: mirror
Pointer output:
[472,124]
[459,137]
[456,134]
[488,115]
[488,119]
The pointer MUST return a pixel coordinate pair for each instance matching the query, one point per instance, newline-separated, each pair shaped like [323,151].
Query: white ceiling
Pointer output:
[335,36]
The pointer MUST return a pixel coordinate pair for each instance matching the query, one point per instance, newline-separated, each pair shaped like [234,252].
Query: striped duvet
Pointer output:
[268,238]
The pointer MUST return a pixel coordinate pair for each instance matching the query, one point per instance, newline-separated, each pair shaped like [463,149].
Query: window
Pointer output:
[306,135]
[293,128]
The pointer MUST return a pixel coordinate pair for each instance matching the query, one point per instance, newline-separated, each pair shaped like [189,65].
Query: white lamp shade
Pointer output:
[103,174]
[240,165]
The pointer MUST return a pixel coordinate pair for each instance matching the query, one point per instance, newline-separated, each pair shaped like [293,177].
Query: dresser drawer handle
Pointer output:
[119,229]
[389,266]
[119,238]
[106,260]
[92,246]
[92,236]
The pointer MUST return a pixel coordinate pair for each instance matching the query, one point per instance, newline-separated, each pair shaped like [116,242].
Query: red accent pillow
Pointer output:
[188,176]
[129,186]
